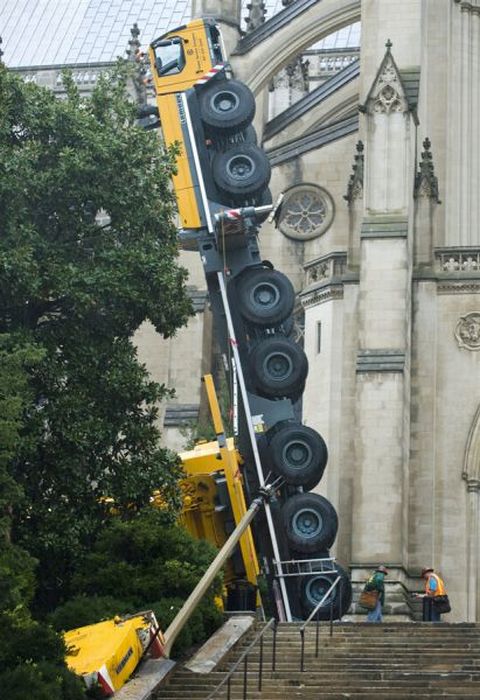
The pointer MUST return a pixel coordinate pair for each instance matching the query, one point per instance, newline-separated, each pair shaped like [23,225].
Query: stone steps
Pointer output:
[308,677]
[395,661]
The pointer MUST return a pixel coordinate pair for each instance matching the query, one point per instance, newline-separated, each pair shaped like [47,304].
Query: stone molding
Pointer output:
[383,227]
[469,6]
[380,360]
[321,295]
[467,331]
[473,485]
[452,287]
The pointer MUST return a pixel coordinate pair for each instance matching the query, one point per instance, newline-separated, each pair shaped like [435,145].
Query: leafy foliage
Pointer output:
[16,566]
[149,554]
[87,253]
[32,662]
[143,563]
[31,654]
[86,610]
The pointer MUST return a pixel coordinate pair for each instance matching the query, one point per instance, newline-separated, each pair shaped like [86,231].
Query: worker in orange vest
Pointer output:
[434,589]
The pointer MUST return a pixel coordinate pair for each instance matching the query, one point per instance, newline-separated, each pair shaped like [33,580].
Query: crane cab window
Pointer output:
[169,56]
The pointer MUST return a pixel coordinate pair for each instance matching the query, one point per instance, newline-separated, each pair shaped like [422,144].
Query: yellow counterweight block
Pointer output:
[105,654]
[199,513]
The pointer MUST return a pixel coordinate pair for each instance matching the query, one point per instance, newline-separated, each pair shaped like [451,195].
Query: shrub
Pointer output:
[32,662]
[83,610]
[138,564]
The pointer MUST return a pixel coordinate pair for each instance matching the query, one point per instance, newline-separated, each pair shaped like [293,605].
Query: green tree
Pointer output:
[31,654]
[77,289]
[16,566]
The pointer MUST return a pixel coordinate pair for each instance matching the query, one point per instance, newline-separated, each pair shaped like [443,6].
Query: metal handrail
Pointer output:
[272,623]
[314,612]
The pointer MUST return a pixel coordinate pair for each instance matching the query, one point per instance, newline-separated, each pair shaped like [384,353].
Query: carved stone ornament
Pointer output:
[307,212]
[426,182]
[467,332]
[142,76]
[256,15]
[293,77]
[387,94]
[355,184]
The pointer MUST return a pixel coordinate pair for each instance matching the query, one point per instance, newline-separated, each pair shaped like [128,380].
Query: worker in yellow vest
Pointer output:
[435,599]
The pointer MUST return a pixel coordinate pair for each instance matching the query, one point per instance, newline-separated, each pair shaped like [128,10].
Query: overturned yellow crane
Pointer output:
[214,499]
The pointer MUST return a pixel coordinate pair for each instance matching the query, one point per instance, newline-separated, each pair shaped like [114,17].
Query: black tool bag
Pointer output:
[442,604]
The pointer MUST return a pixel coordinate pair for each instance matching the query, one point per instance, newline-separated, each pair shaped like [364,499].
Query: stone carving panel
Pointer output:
[307,212]
[325,268]
[467,331]
[458,260]
[387,94]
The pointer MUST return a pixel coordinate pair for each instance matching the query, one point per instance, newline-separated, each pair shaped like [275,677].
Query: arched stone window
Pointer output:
[307,212]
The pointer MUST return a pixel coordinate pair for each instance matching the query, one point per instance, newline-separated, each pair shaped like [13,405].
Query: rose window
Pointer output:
[307,212]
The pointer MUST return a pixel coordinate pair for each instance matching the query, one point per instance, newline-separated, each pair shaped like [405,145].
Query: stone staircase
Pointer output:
[361,660]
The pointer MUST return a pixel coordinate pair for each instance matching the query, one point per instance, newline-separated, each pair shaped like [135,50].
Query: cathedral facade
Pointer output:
[375,154]
[379,230]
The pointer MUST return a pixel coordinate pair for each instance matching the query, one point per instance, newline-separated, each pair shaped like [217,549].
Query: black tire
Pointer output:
[313,588]
[241,172]
[278,367]
[265,297]
[310,484]
[288,326]
[310,522]
[250,135]
[299,454]
[226,106]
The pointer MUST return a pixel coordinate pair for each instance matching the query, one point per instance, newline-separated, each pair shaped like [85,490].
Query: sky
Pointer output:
[59,32]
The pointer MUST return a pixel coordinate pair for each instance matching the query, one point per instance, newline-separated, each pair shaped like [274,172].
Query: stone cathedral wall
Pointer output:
[388,283]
